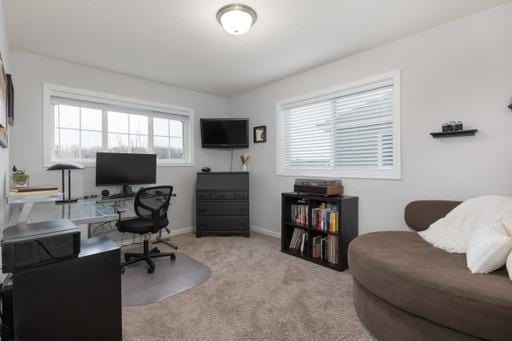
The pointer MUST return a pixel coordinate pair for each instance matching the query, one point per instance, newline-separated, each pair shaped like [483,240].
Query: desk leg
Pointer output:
[25,211]
[88,230]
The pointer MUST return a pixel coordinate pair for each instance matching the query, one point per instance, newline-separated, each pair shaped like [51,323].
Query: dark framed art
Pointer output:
[4,140]
[260,134]
[10,100]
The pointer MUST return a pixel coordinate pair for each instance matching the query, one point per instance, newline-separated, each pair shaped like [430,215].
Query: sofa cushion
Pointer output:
[405,271]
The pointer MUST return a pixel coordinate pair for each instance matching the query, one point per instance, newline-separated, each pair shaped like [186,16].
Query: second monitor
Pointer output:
[125,169]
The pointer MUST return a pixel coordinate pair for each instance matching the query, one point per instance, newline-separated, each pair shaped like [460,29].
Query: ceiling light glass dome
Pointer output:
[236,19]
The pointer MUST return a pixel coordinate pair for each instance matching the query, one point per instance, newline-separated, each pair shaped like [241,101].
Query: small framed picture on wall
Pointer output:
[260,134]
[4,140]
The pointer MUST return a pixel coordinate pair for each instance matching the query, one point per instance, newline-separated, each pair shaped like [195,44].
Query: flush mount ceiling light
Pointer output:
[236,19]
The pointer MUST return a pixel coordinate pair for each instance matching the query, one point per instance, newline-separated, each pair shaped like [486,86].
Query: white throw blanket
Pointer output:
[452,232]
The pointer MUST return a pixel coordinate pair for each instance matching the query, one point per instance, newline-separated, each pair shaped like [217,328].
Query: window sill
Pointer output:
[345,174]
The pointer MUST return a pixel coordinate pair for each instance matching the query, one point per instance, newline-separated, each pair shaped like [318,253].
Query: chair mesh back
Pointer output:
[156,198]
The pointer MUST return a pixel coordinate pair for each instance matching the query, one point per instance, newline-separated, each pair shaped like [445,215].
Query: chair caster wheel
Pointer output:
[123,270]
[151,270]
[173,257]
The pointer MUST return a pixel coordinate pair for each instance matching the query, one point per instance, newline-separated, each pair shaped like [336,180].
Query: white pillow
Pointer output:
[452,232]
[507,221]
[509,266]
[488,248]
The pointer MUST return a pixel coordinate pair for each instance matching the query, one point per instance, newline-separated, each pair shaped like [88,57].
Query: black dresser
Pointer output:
[222,203]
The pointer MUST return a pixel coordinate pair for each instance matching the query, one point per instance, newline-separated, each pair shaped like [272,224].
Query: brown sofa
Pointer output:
[405,289]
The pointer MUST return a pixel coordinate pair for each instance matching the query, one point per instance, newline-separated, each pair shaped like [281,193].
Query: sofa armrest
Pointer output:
[419,215]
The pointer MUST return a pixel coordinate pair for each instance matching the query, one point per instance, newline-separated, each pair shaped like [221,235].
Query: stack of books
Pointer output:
[325,248]
[326,218]
[33,191]
[318,247]
[299,214]
[332,249]
[299,240]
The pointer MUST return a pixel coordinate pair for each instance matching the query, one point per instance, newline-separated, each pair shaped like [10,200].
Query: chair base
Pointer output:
[147,255]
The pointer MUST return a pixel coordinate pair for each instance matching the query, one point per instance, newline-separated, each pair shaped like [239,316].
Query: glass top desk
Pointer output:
[80,212]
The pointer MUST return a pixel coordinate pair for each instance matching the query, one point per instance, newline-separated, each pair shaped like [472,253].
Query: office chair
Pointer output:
[151,205]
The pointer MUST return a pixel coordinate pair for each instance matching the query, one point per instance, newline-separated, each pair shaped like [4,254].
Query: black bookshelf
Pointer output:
[347,226]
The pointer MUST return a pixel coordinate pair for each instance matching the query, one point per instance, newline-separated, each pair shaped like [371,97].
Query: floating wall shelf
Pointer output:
[469,132]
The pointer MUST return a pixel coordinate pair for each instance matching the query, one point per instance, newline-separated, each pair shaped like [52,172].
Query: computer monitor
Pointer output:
[125,169]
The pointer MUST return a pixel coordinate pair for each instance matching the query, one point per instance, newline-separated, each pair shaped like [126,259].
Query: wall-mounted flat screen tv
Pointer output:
[224,133]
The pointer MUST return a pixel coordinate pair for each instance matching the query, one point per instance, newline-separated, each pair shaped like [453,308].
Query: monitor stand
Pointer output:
[126,192]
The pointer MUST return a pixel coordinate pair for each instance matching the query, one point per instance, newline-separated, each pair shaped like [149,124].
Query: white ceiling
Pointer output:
[179,42]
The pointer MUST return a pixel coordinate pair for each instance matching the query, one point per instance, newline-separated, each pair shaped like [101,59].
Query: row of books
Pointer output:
[322,247]
[299,240]
[299,214]
[325,218]
[325,248]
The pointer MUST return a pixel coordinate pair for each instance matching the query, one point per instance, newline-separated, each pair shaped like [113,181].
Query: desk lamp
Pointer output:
[63,166]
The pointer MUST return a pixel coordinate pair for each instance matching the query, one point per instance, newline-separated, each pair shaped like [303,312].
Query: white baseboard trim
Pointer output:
[254,228]
[265,231]
[183,230]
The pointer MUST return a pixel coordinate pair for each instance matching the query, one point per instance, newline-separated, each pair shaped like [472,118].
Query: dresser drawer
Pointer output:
[242,195]
[203,195]
[222,195]
[234,208]
[222,224]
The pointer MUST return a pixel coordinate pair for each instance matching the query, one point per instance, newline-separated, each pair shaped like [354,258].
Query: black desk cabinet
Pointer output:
[222,203]
[76,299]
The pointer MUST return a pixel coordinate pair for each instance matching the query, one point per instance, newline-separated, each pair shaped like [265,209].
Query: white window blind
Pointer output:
[82,125]
[350,132]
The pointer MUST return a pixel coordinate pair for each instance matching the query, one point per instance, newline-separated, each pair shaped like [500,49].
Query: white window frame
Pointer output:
[394,174]
[159,109]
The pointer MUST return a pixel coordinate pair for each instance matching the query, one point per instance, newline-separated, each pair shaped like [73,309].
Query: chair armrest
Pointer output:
[155,214]
[119,210]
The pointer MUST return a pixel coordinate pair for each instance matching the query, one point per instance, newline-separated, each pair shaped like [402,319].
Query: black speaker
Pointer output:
[105,193]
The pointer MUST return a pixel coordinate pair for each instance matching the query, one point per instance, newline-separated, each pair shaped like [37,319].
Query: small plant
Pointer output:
[245,161]
[20,177]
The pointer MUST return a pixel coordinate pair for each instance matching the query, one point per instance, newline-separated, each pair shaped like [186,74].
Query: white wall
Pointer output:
[459,71]
[4,153]
[31,71]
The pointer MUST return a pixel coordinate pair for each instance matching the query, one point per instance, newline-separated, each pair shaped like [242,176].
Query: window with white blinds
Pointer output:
[349,131]
[77,125]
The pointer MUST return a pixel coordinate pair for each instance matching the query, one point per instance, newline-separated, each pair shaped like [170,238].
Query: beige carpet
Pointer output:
[255,293]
